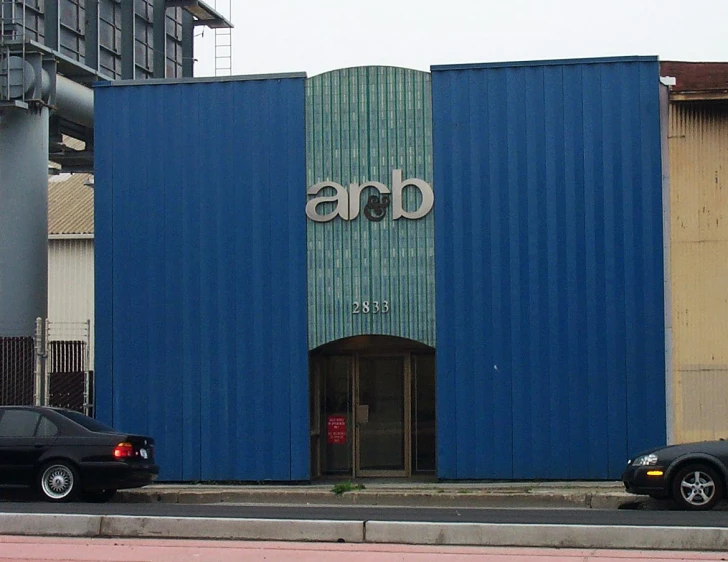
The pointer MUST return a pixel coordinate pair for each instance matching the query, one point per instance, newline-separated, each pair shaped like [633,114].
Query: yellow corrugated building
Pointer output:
[698,259]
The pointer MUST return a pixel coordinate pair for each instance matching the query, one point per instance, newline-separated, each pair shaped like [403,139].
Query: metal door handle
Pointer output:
[362,413]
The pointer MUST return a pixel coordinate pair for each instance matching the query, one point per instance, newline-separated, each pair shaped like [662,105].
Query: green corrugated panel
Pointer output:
[361,124]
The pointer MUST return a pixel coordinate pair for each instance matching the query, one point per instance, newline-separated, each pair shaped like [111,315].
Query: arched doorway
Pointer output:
[372,408]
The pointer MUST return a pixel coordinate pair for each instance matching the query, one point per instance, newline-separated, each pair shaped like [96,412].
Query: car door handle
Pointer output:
[38,445]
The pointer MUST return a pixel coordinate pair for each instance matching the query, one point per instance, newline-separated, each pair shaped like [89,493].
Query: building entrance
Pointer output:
[372,408]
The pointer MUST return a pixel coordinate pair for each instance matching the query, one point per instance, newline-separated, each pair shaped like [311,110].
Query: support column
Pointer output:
[159,27]
[128,37]
[23,219]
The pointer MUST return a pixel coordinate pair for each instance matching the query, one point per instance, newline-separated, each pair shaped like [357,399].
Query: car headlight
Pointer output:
[645,460]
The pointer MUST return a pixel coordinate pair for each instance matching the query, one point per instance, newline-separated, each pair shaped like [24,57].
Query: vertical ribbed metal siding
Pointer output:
[361,123]
[71,282]
[698,141]
[70,279]
[201,274]
[549,268]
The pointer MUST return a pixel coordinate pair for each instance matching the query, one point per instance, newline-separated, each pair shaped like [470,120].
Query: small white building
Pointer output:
[70,325]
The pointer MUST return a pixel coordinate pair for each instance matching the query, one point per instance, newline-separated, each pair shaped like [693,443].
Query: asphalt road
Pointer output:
[561,516]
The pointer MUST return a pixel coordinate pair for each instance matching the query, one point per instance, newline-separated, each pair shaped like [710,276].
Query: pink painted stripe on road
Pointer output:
[49,549]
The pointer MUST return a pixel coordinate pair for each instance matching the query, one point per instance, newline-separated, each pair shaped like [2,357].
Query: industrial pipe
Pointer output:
[74,102]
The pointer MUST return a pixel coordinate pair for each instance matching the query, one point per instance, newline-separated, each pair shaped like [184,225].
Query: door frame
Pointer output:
[406,472]
[315,433]
[354,348]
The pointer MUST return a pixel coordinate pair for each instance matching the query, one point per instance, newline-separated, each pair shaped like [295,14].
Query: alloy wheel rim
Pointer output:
[697,488]
[57,482]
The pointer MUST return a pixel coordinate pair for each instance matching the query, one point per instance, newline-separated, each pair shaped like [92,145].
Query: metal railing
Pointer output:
[12,18]
[12,43]
[68,376]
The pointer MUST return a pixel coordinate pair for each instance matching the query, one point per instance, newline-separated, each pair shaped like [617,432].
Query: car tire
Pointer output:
[58,481]
[99,496]
[697,487]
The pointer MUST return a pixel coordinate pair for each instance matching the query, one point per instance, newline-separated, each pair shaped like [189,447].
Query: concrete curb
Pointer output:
[393,532]
[561,536]
[50,524]
[124,526]
[238,529]
[537,498]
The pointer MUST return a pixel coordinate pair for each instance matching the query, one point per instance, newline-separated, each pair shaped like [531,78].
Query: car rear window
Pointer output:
[46,428]
[87,422]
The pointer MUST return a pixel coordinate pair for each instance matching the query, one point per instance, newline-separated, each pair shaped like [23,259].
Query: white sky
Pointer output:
[315,36]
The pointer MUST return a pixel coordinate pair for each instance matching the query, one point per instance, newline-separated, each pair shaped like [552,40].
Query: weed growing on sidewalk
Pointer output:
[342,487]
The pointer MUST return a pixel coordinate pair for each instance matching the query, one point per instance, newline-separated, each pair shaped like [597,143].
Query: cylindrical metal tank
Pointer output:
[23,219]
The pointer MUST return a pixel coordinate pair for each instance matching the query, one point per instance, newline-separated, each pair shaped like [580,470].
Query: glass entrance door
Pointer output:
[337,383]
[381,416]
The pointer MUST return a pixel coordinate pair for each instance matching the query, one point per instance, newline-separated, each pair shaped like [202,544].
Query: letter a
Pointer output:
[341,199]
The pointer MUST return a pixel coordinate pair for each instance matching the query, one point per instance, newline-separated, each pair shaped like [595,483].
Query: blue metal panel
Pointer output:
[548,246]
[201,274]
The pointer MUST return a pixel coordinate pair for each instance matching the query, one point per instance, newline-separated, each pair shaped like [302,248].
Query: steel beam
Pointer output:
[128,35]
[188,51]
[92,34]
[52,25]
[159,27]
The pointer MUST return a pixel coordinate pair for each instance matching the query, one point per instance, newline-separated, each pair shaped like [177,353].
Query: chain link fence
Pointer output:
[51,367]
[20,365]
[17,370]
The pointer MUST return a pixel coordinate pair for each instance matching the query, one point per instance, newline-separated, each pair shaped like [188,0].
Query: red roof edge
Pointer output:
[696,76]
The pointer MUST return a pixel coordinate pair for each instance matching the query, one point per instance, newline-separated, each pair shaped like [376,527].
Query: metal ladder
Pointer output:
[223,42]
[12,43]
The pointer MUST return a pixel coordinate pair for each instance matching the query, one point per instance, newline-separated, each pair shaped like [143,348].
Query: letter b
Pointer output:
[428,197]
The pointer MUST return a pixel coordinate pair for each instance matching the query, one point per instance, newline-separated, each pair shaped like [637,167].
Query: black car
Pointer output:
[66,455]
[694,475]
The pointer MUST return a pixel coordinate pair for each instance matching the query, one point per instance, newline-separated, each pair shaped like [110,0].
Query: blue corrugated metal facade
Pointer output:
[549,267]
[201,336]
[548,260]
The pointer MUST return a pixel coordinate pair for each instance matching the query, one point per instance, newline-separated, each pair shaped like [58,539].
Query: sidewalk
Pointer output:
[37,549]
[598,495]
[360,530]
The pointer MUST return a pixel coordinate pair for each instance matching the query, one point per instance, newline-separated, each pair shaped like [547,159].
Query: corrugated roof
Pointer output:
[70,205]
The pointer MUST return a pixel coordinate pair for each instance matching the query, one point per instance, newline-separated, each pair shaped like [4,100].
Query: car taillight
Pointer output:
[123,451]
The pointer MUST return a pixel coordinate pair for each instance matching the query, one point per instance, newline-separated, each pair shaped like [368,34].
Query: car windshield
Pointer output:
[87,422]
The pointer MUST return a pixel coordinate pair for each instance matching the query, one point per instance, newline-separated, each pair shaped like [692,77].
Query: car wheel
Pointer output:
[59,481]
[697,487]
[99,496]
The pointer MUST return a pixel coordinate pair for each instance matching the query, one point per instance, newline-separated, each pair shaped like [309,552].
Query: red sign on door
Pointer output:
[336,430]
